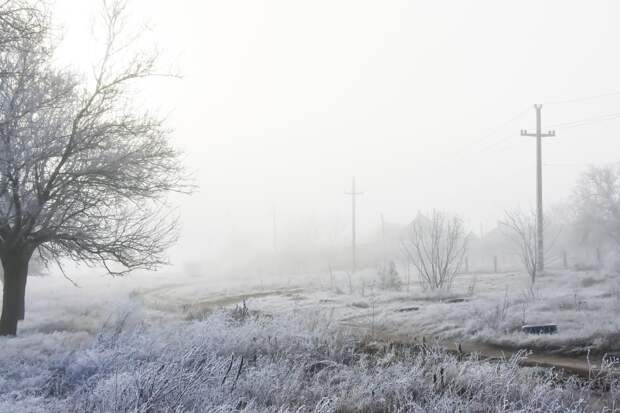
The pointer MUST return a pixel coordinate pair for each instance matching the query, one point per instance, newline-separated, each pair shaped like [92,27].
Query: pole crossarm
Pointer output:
[549,134]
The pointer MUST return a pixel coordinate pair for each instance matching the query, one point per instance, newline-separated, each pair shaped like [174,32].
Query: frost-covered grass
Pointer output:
[585,307]
[169,343]
[290,363]
[483,308]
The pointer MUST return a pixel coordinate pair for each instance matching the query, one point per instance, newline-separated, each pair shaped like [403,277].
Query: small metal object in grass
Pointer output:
[407,309]
[540,329]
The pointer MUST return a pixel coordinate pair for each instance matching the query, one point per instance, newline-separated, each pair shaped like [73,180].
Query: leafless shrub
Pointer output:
[520,228]
[350,281]
[496,316]
[437,248]
[332,279]
[388,276]
[240,312]
[363,286]
[531,293]
[471,288]
[373,311]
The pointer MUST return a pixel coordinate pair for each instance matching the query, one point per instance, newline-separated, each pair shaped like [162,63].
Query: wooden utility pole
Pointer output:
[540,252]
[382,228]
[565,259]
[353,211]
[274,231]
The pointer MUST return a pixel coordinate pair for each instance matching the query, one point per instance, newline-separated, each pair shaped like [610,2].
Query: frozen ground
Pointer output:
[482,308]
[156,343]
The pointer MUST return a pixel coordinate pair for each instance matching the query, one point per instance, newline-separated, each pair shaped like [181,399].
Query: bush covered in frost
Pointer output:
[265,364]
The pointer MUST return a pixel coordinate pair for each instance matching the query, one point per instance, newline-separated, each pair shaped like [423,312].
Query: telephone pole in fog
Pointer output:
[382,228]
[274,231]
[540,252]
[353,207]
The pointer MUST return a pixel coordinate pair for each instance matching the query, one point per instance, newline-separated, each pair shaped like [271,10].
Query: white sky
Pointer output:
[282,102]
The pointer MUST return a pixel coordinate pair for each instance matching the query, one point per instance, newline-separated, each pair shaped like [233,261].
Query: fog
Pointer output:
[281,103]
[275,206]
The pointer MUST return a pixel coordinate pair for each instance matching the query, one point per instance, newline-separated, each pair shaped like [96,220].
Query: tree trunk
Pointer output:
[21,295]
[14,292]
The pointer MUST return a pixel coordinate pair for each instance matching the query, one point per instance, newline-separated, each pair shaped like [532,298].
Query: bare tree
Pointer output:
[21,20]
[436,246]
[520,228]
[597,202]
[83,173]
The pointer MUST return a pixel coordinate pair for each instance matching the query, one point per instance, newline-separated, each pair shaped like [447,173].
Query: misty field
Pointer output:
[304,344]
[320,206]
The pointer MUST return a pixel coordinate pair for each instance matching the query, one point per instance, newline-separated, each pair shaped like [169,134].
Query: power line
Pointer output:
[582,99]
[489,142]
[488,137]
[493,145]
[587,121]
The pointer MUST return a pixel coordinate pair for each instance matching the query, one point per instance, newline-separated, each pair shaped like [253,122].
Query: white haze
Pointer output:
[282,102]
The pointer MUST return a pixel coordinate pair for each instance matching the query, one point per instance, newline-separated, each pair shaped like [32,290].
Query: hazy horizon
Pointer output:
[282,103]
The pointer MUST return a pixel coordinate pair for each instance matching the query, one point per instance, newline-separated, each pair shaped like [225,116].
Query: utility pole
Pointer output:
[275,231]
[382,227]
[353,246]
[540,252]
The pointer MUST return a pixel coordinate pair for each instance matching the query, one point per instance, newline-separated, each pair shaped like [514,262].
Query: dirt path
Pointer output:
[196,307]
[582,366]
